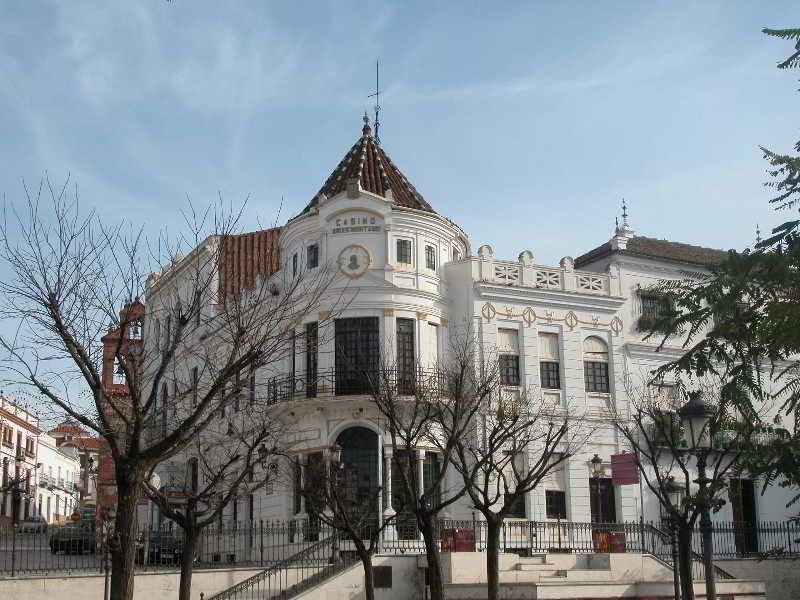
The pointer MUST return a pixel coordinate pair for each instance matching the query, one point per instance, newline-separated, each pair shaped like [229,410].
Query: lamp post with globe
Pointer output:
[674,492]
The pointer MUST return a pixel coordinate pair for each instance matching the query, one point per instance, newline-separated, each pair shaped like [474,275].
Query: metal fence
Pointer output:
[75,547]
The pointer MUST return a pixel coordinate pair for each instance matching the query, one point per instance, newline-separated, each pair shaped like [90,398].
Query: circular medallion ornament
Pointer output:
[354,261]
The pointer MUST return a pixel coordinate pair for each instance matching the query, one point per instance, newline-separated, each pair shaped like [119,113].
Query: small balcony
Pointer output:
[341,383]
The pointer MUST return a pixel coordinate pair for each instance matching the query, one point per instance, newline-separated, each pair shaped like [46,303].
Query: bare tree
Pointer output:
[518,439]
[668,461]
[423,409]
[224,462]
[338,500]
[224,309]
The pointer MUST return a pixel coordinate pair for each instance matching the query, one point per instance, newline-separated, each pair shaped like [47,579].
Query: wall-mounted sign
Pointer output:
[356,222]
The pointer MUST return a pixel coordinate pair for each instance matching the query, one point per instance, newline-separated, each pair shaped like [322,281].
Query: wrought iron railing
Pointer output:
[77,547]
[292,575]
[349,382]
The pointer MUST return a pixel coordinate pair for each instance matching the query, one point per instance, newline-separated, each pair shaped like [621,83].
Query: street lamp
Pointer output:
[597,466]
[15,505]
[696,417]
[674,492]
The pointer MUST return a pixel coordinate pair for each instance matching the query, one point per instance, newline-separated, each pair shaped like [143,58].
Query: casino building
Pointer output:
[572,330]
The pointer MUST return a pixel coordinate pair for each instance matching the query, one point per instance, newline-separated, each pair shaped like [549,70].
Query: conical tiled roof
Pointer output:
[367,162]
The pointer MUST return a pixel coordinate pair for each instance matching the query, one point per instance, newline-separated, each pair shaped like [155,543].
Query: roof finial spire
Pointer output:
[758,234]
[366,129]
[377,96]
[624,213]
[616,225]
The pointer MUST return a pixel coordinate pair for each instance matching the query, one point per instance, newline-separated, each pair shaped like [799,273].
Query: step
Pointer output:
[534,566]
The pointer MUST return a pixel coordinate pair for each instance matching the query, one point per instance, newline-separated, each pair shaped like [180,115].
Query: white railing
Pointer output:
[525,274]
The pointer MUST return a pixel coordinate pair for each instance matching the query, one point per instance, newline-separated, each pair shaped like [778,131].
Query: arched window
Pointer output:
[595,365]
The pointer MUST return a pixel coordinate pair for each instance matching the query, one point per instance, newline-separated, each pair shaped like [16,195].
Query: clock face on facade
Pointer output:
[354,260]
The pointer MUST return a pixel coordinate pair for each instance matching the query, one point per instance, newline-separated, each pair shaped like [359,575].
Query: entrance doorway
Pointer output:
[742,496]
[602,501]
[359,464]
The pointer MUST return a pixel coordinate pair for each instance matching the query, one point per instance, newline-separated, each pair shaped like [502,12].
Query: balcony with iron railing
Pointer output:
[342,383]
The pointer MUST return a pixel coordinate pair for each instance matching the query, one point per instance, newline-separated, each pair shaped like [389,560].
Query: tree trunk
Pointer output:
[685,561]
[123,542]
[369,583]
[435,584]
[190,534]
[493,526]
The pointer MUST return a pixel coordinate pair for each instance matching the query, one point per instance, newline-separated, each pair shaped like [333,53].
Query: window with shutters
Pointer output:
[404,252]
[312,256]
[595,365]
[549,362]
[430,257]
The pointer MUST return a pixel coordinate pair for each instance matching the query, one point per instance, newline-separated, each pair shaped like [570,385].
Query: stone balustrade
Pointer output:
[526,274]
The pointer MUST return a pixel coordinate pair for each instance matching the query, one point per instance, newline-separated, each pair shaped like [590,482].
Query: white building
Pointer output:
[570,330]
[58,491]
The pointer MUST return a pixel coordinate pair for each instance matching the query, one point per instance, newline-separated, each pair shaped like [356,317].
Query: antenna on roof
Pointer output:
[377,96]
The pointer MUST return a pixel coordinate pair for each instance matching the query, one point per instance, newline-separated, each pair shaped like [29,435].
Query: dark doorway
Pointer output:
[602,501]
[358,479]
[742,496]
[357,355]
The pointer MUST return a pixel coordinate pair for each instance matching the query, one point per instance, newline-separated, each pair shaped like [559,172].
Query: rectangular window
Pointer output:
[549,365]
[312,256]
[517,508]
[654,307]
[252,389]
[405,355]
[550,375]
[596,376]
[357,354]
[164,396]
[509,369]
[168,333]
[297,485]
[404,252]
[430,257]
[195,383]
[294,264]
[555,504]
[312,338]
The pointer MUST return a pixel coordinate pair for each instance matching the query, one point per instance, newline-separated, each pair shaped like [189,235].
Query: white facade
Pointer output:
[413,273]
[58,480]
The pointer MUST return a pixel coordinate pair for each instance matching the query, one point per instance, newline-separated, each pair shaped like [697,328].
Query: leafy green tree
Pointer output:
[740,321]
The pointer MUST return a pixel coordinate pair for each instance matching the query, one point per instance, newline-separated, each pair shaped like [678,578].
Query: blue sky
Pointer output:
[526,122]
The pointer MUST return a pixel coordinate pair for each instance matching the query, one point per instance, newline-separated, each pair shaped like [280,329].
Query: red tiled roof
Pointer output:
[245,257]
[88,442]
[654,248]
[68,428]
[371,166]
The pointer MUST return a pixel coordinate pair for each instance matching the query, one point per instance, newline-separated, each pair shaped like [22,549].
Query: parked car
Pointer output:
[162,549]
[74,537]
[33,525]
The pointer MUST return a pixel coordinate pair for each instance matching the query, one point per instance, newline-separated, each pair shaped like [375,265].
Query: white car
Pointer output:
[33,525]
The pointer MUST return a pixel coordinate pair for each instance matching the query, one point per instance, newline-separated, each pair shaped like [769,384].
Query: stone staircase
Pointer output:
[567,576]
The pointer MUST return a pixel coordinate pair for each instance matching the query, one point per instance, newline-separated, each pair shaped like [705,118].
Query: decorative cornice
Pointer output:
[529,317]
